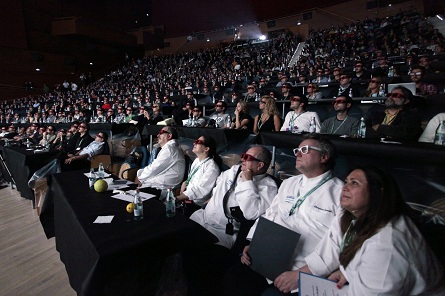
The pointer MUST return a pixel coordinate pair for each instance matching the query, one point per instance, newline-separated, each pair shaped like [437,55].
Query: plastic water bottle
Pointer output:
[362,129]
[100,171]
[382,90]
[91,179]
[28,143]
[138,213]
[439,139]
[312,126]
[170,206]
[228,122]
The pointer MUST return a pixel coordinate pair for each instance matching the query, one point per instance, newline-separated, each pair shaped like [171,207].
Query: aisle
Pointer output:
[30,264]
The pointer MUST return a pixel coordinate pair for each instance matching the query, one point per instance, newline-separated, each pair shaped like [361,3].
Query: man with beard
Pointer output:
[397,121]
[341,123]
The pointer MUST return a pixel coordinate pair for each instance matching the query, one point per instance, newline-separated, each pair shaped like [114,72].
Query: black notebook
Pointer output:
[271,248]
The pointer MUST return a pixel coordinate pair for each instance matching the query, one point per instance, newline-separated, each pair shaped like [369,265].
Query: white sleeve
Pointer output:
[159,164]
[199,189]
[255,197]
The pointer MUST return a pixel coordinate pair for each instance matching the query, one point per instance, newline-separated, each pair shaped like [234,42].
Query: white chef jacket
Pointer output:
[167,170]
[314,216]
[253,197]
[302,121]
[203,181]
[394,261]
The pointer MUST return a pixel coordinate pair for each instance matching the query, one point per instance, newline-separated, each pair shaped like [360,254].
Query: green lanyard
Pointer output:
[301,200]
[194,171]
[347,239]
[292,119]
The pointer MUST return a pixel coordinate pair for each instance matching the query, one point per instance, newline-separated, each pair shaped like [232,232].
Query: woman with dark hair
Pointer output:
[205,169]
[269,119]
[374,245]
[242,119]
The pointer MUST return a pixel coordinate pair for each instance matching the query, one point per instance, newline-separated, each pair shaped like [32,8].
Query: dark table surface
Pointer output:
[23,163]
[105,259]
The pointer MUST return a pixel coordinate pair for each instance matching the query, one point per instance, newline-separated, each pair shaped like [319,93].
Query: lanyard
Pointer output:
[292,119]
[333,124]
[302,199]
[347,239]
[194,171]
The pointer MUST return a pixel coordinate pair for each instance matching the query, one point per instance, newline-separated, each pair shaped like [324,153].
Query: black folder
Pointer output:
[272,248]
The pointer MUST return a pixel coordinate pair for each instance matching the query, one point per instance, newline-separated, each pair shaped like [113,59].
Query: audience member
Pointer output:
[397,121]
[360,73]
[204,171]
[269,119]
[345,88]
[306,204]
[375,88]
[373,244]
[81,158]
[219,118]
[342,123]
[298,120]
[242,192]
[423,89]
[429,133]
[242,119]
[251,95]
[167,169]
[313,92]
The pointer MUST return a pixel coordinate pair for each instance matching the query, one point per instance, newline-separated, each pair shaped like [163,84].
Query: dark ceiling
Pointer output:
[187,16]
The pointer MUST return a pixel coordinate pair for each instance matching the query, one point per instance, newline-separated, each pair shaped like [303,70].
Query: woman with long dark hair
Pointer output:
[374,245]
[205,169]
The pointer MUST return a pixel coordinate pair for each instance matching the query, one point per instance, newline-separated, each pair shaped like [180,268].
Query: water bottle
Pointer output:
[382,90]
[170,206]
[91,179]
[100,171]
[228,122]
[28,143]
[391,71]
[138,213]
[362,129]
[312,126]
[6,142]
[439,139]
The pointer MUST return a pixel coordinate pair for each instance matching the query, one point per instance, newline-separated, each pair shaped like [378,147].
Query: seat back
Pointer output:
[102,158]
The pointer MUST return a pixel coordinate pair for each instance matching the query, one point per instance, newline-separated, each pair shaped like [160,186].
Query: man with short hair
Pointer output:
[345,88]
[251,95]
[307,204]
[167,169]
[397,121]
[81,159]
[242,192]
[342,123]
[360,73]
[298,119]
[81,139]
[423,89]
[220,117]
[253,192]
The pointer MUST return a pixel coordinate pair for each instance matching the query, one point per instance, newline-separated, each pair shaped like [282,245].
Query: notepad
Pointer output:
[311,285]
[272,248]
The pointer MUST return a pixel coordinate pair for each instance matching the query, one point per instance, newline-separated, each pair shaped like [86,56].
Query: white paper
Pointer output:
[129,195]
[105,174]
[103,219]
[312,285]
